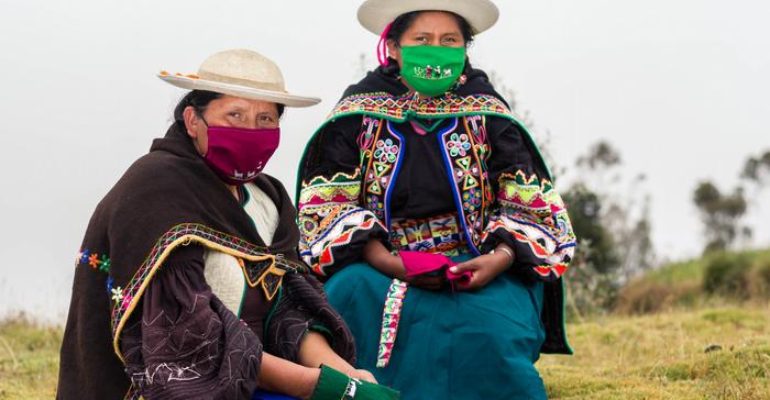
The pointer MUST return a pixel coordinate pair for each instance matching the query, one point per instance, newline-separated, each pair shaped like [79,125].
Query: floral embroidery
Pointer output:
[390,318]
[82,257]
[110,282]
[385,151]
[95,261]
[471,186]
[458,144]
[379,169]
[117,294]
[104,264]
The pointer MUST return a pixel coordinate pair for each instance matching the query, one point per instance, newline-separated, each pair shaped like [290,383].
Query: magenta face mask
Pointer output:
[238,155]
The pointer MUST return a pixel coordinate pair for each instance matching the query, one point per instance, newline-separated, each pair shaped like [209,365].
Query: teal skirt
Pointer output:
[450,345]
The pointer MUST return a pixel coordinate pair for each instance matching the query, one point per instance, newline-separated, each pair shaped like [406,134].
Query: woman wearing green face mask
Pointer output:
[428,210]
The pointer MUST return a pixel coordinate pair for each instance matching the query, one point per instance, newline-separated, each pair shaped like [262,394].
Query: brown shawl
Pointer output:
[167,198]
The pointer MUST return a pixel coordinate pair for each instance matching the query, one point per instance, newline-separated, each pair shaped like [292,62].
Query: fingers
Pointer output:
[471,265]
[363,375]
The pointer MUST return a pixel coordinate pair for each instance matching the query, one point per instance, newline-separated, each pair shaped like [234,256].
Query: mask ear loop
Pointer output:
[200,115]
[382,46]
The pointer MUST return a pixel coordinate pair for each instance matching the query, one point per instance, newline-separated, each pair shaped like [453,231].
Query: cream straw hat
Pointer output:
[240,73]
[375,15]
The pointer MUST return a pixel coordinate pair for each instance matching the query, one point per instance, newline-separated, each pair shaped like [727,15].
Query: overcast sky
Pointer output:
[679,87]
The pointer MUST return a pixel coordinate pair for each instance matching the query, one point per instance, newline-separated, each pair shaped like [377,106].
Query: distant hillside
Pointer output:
[711,280]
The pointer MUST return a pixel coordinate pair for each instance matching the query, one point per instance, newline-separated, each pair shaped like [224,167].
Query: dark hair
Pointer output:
[404,22]
[199,100]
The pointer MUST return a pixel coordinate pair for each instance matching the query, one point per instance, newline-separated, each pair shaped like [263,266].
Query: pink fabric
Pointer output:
[419,263]
[382,46]
[238,155]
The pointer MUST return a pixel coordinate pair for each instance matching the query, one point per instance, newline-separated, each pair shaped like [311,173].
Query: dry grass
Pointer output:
[663,356]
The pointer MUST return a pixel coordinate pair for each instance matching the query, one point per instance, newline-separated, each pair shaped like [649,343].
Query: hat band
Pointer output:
[210,76]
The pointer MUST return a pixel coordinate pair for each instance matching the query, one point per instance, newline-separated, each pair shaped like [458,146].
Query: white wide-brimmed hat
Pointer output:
[375,15]
[240,73]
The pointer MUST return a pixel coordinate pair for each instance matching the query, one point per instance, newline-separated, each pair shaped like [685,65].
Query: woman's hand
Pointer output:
[391,265]
[485,268]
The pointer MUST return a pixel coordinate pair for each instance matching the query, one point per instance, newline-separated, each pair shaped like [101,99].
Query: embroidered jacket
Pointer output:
[437,175]
[517,203]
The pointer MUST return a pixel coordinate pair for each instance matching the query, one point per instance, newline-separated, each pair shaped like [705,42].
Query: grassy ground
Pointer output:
[29,358]
[663,356]
[658,356]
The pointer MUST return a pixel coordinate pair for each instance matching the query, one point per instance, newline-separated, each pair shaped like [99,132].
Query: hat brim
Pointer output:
[375,15]
[245,92]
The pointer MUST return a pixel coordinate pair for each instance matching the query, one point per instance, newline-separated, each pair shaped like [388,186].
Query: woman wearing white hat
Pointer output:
[429,211]
[188,284]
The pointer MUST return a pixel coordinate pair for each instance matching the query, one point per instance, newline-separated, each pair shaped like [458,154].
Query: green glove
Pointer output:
[334,385]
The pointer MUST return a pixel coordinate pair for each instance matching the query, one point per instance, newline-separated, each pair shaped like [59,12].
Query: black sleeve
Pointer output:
[303,307]
[334,224]
[528,214]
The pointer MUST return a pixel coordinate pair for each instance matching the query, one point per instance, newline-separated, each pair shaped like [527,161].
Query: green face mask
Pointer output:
[432,70]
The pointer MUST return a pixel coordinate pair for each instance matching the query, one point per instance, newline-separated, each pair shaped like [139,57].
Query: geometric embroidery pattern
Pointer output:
[390,317]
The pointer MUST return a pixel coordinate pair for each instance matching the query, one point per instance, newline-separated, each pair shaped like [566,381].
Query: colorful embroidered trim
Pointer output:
[432,235]
[390,318]
[180,235]
[341,188]
[385,105]
[330,215]
[529,193]
[533,212]
[464,160]
[320,253]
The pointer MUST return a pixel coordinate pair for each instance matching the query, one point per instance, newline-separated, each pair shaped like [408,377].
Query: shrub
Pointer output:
[727,275]
[646,296]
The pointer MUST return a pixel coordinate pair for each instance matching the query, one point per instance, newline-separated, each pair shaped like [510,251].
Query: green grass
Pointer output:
[662,356]
[649,357]
[29,360]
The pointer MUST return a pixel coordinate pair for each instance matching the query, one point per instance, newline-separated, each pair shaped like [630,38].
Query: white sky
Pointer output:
[679,87]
